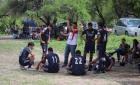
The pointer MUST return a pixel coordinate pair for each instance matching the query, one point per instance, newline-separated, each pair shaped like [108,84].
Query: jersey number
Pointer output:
[54,58]
[78,60]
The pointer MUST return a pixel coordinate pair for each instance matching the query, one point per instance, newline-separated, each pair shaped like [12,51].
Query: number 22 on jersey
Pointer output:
[78,60]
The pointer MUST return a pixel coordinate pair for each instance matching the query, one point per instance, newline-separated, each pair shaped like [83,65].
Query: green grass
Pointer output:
[59,46]
[113,43]
[9,49]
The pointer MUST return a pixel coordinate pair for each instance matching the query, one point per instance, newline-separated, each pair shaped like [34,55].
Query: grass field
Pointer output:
[10,74]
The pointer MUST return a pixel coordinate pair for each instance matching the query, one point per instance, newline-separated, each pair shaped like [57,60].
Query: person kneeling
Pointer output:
[77,64]
[53,62]
[104,64]
[26,57]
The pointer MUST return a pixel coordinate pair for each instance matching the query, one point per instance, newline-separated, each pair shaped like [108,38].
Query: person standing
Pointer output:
[71,41]
[89,42]
[44,39]
[102,39]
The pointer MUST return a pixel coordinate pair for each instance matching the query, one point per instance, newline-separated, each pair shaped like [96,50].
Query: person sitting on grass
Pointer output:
[77,64]
[53,62]
[135,51]
[122,50]
[26,57]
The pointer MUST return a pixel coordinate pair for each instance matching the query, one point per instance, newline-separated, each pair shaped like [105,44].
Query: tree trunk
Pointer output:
[117,8]
[100,14]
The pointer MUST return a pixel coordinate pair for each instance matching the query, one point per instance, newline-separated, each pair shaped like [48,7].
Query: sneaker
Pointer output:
[22,67]
[30,69]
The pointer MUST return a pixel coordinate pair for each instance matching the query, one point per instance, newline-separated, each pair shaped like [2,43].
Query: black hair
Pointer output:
[75,23]
[101,24]
[50,49]
[31,44]
[123,39]
[89,24]
[135,42]
[78,52]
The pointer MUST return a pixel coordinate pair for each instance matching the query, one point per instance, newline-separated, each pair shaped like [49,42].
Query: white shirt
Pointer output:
[73,41]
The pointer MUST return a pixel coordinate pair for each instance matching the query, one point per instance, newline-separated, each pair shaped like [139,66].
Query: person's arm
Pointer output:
[58,59]
[82,35]
[31,55]
[40,37]
[64,34]
[50,29]
[96,33]
[94,61]
[43,61]
[49,39]
[68,24]
[98,38]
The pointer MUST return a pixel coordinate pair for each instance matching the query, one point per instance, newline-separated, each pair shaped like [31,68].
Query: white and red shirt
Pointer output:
[72,39]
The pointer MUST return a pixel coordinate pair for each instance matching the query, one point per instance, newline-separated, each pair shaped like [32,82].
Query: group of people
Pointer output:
[130,54]
[50,61]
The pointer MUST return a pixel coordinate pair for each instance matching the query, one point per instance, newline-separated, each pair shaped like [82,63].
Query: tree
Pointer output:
[124,8]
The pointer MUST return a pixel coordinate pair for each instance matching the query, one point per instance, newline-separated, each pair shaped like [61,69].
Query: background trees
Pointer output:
[88,10]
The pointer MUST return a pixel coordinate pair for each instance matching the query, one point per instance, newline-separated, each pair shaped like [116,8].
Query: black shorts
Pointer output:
[24,62]
[89,48]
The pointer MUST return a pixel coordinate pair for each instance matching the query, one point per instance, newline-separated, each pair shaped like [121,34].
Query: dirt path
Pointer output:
[10,74]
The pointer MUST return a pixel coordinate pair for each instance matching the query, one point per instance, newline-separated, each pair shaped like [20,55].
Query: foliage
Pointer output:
[88,10]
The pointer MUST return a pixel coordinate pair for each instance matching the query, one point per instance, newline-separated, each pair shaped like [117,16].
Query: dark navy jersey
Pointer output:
[103,36]
[53,61]
[47,32]
[90,35]
[77,64]
[45,37]
[24,54]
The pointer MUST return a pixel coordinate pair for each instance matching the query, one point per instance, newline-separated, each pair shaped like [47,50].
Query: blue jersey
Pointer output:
[24,54]
[53,62]
[77,65]
[103,36]
[90,35]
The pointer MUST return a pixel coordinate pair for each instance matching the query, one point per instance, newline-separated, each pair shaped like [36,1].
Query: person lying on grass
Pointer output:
[53,62]
[106,64]
[77,64]
[26,57]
